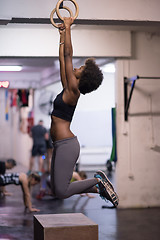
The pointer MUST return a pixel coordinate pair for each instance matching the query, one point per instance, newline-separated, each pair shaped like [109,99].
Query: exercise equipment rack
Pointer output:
[127,99]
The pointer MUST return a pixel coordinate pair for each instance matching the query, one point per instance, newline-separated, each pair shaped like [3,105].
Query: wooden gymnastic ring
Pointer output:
[76,6]
[54,10]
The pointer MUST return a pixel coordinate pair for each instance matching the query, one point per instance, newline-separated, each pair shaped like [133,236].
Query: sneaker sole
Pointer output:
[109,188]
[113,195]
[105,178]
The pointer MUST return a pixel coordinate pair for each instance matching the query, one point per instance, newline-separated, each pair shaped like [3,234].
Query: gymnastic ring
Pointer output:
[76,6]
[54,10]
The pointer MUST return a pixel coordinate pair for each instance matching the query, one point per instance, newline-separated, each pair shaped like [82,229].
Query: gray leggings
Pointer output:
[65,155]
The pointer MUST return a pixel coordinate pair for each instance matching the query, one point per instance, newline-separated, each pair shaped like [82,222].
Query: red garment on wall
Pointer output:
[13,94]
[23,97]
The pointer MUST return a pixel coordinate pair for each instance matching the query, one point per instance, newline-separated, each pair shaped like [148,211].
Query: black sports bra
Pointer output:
[61,109]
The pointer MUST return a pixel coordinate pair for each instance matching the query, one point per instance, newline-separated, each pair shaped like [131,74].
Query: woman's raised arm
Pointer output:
[61,55]
[68,52]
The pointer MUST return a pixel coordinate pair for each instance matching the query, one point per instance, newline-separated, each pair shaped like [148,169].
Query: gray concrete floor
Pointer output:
[114,224]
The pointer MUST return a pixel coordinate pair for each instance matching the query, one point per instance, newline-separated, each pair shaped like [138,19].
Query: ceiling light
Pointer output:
[10,68]
[108,68]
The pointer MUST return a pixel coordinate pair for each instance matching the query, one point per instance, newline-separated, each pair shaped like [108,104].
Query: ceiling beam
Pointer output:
[81,22]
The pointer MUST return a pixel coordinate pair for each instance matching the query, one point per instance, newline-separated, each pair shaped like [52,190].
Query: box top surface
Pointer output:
[61,220]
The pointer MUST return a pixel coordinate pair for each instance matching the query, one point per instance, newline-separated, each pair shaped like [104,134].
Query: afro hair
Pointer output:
[91,77]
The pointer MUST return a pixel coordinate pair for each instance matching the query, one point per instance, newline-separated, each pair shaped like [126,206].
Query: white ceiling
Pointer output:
[39,64]
[38,72]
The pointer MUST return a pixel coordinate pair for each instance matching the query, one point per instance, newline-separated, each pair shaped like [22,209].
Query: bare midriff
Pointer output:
[60,129]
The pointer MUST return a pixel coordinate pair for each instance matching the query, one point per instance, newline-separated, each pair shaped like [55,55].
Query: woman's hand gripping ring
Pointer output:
[58,6]
[54,10]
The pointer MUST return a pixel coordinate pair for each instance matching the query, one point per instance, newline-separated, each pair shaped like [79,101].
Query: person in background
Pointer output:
[26,182]
[39,135]
[7,165]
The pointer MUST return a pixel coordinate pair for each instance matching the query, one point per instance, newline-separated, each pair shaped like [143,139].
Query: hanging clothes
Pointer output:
[23,97]
[13,97]
[6,105]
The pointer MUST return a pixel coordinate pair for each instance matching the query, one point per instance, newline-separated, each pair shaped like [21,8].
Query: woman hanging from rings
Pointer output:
[75,81]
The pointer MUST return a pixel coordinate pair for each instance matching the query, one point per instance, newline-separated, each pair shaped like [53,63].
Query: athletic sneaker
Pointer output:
[106,189]
[101,175]
[110,196]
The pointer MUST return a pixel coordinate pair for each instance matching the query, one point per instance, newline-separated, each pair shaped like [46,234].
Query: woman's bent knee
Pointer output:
[60,195]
